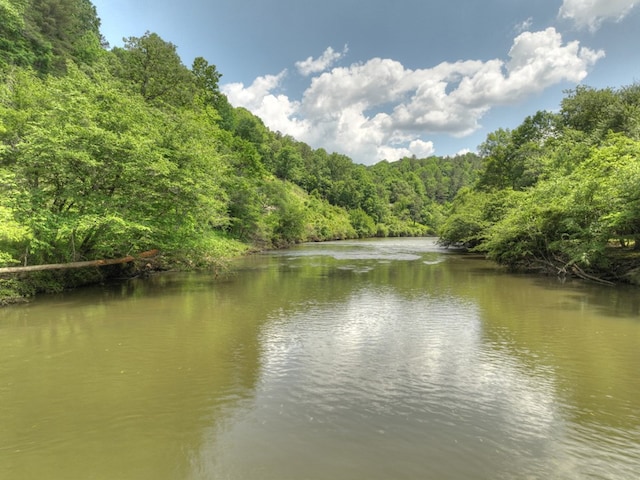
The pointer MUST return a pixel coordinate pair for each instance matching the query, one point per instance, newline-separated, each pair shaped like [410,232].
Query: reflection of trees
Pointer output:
[142,373]
[129,374]
[117,386]
[398,349]
[586,335]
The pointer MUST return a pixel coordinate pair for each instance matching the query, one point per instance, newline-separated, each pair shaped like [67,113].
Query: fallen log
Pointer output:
[65,266]
[84,264]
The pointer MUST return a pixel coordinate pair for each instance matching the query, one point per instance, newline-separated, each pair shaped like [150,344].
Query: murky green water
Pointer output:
[387,359]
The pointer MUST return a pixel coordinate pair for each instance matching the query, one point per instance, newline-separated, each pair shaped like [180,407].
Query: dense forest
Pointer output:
[561,192]
[111,152]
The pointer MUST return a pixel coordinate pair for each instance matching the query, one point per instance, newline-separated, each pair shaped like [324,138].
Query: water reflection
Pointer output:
[394,371]
[378,359]
[104,385]
[376,375]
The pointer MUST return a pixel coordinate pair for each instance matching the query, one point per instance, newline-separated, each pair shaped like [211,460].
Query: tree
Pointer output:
[587,109]
[98,173]
[288,164]
[568,221]
[497,172]
[613,170]
[249,127]
[14,47]
[206,80]
[155,70]
[61,30]
[363,224]
[598,112]
[465,223]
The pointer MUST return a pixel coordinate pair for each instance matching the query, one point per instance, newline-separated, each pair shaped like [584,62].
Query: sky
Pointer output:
[385,79]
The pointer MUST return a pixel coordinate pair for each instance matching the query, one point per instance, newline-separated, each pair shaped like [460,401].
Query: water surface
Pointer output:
[380,359]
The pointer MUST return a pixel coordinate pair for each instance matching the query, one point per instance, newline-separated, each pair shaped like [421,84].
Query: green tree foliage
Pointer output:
[44,34]
[515,159]
[154,69]
[98,174]
[129,150]
[71,26]
[572,219]
[250,128]
[416,190]
[326,221]
[598,112]
[363,224]
[207,78]
[560,191]
[20,41]
[14,47]
[288,164]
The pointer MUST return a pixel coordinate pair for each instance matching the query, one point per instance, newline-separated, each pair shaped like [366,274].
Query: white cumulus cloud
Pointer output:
[591,13]
[252,97]
[380,109]
[326,60]
[277,111]
[524,26]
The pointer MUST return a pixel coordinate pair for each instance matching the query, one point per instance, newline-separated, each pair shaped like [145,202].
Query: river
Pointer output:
[380,359]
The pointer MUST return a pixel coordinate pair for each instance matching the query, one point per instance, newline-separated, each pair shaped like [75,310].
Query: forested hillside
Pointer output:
[561,192]
[106,153]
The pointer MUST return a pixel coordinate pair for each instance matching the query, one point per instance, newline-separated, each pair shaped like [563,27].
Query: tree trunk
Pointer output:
[88,263]
[65,266]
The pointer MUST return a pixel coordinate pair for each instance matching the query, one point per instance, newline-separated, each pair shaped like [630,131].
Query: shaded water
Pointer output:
[385,359]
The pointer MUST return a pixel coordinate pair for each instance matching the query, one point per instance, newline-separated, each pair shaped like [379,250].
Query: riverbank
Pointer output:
[619,266]
[23,285]
[623,267]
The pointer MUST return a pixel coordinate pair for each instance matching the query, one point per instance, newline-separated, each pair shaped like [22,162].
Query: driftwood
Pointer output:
[89,263]
[578,272]
[563,269]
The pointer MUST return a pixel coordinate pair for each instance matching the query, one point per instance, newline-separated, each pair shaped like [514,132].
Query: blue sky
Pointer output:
[382,79]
